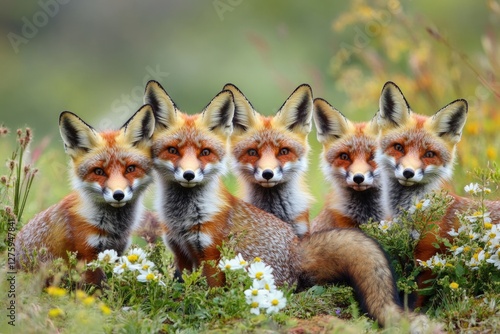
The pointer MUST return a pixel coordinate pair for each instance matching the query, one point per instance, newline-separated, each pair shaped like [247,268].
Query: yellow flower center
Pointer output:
[466,248]
[476,256]
[267,287]
[257,259]
[150,277]
[133,258]
[145,266]
[254,304]
[419,205]
[274,302]
[107,258]
[488,226]
[453,285]
[259,275]
[255,292]
[228,266]
[492,235]
[243,263]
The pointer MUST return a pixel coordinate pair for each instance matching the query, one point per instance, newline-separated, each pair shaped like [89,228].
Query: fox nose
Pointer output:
[267,174]
[358,178]
[408,173]
[118,195]
[188,175]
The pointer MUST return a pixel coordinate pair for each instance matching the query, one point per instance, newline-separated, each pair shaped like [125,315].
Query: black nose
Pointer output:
[358,178]
[118,195]
[267,174]
[408,173]
[188,175]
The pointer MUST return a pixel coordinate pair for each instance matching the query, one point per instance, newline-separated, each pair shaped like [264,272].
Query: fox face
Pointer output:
[271,150]
[190,149]
[110,166]
[418,149]
[349,149]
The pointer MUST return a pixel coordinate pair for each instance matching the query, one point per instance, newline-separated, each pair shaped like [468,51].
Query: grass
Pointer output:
[431,70]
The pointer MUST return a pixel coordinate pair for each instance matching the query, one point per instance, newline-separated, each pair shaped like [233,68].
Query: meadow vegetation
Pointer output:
[464,295]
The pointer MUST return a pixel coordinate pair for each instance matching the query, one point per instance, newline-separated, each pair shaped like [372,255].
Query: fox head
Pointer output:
[418,149]
[112,167]
[348,157]
[190,149]
[271,150]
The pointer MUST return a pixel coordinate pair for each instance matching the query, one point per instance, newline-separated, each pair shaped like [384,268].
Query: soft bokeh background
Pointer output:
[94,58]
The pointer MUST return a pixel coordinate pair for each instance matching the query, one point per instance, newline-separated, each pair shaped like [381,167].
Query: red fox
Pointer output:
[270,156]
[110,171]
[348,161]
[417,155]
[189,154]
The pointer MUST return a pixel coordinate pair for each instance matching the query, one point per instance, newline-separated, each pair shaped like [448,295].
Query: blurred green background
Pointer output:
[94,58]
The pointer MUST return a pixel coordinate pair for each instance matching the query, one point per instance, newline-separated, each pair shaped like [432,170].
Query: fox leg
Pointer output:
[215,277]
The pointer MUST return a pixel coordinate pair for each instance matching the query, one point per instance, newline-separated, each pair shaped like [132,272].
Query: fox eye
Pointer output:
[205,152]
[344,156]
[399,147]
[252,152]
[372,156]
[130,169]
[172,150]
[284,151]
[99,171]
[429,154]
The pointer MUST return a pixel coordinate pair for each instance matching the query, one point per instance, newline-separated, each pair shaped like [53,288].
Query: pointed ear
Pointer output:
[164,108]
[394,111]
[450,120]
[244,113]
[373,126]
[140,127]
[330,123]
[218,114]
[296,112]
[76,134]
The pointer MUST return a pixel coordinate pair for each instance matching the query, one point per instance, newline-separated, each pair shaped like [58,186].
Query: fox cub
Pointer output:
[348,161]
[417,155]
[270,156]
[110,171]
[190,154]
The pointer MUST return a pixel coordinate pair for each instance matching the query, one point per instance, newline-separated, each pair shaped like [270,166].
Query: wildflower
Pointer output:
[476,260]
[458,250]
[479,215]
[145,265]
[108,256]
[80,294]
[453,285]
[472,188]
[147,276]
[135,256]
[495,258]
[122,265]
[276,300]
[89,300]
[420,205]
[385,225]
[255,291]
[56,291]
[258,302]
[104,309]
[55,312]
[260,271]
[233,264]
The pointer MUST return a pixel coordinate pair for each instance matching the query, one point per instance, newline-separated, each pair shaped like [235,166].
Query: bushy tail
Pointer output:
[349,255]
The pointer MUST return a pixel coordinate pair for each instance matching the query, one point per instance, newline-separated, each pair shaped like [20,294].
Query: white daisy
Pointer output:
[108,256]
[260,271]
[276,301]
